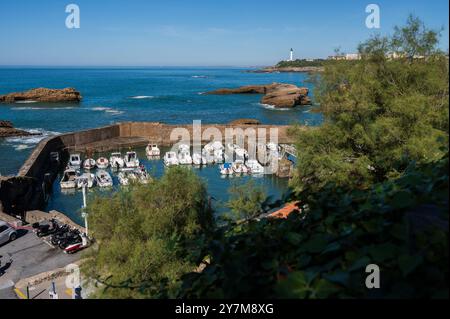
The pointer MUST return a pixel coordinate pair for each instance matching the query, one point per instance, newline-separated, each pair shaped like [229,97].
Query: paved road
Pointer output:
[30,256]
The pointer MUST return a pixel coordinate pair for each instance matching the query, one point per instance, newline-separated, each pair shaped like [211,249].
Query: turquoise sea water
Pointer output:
[110,95]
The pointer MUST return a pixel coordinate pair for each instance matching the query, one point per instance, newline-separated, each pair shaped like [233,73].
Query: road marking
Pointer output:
[49,244]
[20,293]
[69,292]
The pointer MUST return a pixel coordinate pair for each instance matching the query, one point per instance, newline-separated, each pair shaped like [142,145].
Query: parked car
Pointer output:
[7,233]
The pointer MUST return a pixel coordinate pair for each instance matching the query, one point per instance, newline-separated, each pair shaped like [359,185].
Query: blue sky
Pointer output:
[196,32]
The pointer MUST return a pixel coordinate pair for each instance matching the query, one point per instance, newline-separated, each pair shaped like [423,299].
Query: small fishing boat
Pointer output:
[89,164]
[125,176]
[152,150]
[69,178]
[226,169]
[208,154]
[273,151]
[75,161]
[87,179]
[241,154]
[184,155]
[255,167]
[131,160]
[116,160]
[142,175]
[170,158]
[102,163]
[103,178]
[199,159]
[239,167]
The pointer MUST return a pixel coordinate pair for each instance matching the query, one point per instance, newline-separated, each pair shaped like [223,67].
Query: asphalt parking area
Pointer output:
[30,256]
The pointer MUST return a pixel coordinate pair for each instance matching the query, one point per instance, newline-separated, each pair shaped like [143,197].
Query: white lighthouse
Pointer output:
[291,55]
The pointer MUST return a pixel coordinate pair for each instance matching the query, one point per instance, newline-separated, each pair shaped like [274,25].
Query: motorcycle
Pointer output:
[43,230]
[73,248]
[71,238]
[59,234]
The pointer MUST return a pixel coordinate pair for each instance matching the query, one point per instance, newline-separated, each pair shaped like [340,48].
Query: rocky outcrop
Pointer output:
[43,95]
[7,130]
[245,122]
[277,94]
[304,69]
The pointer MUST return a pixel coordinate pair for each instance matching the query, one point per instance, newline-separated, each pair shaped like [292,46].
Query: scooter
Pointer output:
[73,248]
[62,235]
[46,229]
[72,238]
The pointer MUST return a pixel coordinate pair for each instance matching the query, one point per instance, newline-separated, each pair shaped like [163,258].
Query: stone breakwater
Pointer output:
[42,95]
[30,188]
[279,95]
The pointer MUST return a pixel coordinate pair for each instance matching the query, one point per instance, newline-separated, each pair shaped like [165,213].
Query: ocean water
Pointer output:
[110,95]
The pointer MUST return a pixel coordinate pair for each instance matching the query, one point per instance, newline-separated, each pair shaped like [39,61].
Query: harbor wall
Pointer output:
[31,188]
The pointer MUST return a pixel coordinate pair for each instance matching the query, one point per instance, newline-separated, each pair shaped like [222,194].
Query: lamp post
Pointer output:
[84,213]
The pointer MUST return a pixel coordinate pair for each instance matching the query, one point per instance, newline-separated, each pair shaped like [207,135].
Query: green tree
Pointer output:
[246,200]
[147,235]
[381,112]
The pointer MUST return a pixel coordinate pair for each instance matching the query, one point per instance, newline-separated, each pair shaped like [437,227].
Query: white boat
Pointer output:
[89,164]
[102,163]
[103,178]
[87,179]
[217,145]
[239,167]
[208,154]
[199,159]
[184,154]
[170,158]
[75,161]
[273,151]
[131,160]
[241,154]
[152,150]
[124,177]
[116,160]
[232,147]
[219,156]
[226,169]
[255,167]
[142,175]
[69,179]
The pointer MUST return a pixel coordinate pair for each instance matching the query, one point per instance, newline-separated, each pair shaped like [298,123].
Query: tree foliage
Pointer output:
[400,225]
[147,235]
[380,112]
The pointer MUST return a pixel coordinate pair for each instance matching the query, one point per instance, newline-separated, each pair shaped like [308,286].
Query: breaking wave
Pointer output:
[141,97]
[272,107]
[25,142]
[106,110]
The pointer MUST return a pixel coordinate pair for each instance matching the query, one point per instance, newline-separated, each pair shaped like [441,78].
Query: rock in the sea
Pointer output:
[43,95]
[245,122]
[7,130]
[277,94]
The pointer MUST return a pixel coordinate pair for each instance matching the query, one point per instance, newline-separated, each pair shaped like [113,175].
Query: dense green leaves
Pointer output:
[323,252]
[147,235]
[381,112]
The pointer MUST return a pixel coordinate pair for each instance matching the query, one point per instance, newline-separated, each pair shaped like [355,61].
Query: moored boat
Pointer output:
[102,163]
[131,159]
[226,169]
[239,167]
[75,161]
[170,159]
[152,150]
[69,178]
[89,164]
[103,178]
[184,155]
[87,179]
[116,160]
[255,167]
